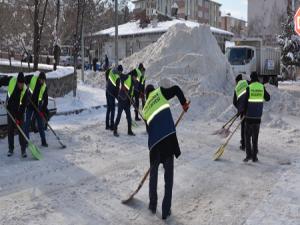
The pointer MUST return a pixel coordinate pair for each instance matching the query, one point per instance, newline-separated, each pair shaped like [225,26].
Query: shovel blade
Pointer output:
[225,133]
[35,152]
[217,132]
[126,201]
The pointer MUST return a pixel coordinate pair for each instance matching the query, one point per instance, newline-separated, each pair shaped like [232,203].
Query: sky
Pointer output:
[237,8]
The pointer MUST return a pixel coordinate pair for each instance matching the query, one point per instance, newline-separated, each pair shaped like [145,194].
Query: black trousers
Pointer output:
[251,135]
[168,164]
[123,106]
[110,111]
[243,144]
[137,102]
[11,135]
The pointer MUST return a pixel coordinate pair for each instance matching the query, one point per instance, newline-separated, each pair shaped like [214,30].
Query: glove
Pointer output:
[142,95]
[18,122]
[42,115]
[185,106]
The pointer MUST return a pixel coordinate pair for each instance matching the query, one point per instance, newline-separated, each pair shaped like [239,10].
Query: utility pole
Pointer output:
[82,50]
[116,34]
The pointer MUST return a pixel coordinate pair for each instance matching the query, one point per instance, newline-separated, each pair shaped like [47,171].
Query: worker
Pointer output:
[139,89]
[162,141]
[124,101]
[38,97]
[256,94]
[15,104]
[112,90]
[239,103]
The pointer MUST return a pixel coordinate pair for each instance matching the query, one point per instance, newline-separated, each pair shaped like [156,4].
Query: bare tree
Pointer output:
[38,25]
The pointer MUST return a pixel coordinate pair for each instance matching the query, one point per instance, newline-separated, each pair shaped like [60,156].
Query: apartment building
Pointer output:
[265,18]
[234,25]
[202,11]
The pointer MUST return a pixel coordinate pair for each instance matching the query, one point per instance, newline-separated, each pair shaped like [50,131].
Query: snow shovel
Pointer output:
[38,111]
[224,131]
[35,152]
[221,149]
[125,201]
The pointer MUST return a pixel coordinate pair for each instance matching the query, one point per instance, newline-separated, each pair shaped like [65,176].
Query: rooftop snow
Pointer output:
[132,28]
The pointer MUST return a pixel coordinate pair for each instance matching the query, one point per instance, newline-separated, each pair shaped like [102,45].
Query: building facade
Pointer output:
[234,25]
[265,18]
[202,11]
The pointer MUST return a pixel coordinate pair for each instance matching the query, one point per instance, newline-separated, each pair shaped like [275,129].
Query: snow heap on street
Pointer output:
[192,59]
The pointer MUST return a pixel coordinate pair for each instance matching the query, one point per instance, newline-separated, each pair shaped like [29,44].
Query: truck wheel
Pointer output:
[274,80]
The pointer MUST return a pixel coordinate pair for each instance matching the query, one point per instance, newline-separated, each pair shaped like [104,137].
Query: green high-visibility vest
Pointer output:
[11,87]
[155,103]
[32,86]
[256,92]
[241,88]
[127,84]
[140,76]
[113,77]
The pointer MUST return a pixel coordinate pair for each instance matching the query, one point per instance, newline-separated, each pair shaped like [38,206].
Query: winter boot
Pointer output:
[116,132]
[255,159]
[130,133]
[10,153]
[247,159]
[107,127]
[152,209]
[165,216]
[44,144]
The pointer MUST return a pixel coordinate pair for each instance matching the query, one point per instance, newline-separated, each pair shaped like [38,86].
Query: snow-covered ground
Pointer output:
[85,183]
[86,97]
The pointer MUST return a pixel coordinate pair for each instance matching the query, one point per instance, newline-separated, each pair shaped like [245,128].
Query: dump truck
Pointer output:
[249,55]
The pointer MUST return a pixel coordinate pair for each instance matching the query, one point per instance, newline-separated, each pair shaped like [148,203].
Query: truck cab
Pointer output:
[242,59]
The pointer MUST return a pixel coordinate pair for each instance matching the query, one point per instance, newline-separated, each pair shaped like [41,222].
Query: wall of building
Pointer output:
[265,18]
[234,25]
[127,45]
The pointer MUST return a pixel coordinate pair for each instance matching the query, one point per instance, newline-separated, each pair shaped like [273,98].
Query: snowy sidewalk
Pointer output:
[282,205]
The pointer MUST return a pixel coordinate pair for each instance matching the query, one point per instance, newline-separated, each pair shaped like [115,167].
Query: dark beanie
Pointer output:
[21,78]
[42,76]
[141,67]
[254,76]
[120,68]
[238,78]
[149,89]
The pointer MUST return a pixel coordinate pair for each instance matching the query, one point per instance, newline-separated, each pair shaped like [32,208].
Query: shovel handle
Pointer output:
[232,119]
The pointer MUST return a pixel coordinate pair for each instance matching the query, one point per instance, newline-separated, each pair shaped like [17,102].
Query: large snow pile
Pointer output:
[192,59]
[187,56]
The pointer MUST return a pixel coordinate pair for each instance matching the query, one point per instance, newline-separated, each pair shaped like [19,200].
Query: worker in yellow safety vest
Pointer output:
[38,96]
[239,102]
[15,104]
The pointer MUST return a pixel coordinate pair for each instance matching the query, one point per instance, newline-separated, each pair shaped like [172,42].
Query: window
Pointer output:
[240,56]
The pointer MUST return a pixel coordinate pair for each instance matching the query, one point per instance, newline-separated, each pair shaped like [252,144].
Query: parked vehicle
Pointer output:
[249,55]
